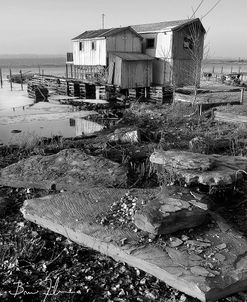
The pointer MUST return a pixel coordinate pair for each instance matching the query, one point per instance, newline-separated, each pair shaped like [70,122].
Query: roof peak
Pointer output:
[163,25]
[106,32]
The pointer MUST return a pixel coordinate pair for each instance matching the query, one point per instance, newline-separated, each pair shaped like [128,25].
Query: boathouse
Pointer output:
[157,54]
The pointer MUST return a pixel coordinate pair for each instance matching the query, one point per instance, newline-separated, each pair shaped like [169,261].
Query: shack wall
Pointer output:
[89,56]
[124,41]
[162,71]
[136,74]
[186,60]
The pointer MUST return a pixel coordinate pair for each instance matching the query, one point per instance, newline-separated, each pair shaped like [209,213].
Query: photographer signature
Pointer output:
[51,291]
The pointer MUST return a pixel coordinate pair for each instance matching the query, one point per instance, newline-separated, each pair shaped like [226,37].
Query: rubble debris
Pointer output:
[125,135]
[121,211]
[70,169]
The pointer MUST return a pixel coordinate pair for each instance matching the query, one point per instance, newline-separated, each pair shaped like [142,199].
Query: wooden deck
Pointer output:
[208,266]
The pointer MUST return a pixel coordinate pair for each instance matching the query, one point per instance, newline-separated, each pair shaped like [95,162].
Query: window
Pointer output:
[81,46]
[93,45]
[150,43]
[188,43]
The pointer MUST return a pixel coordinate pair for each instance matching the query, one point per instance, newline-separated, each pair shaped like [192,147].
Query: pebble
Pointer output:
[184,238]
[221,246]
[219,257]
[174,242]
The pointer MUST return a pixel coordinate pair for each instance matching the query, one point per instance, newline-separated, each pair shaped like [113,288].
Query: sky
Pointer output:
[47,26]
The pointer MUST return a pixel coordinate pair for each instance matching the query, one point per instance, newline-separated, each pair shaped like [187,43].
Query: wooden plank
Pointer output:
[230,117]
[75,216]
[212,97]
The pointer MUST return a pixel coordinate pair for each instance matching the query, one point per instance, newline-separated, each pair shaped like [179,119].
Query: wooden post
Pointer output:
[39,69]
[42,72]
[10,79]
[222,68]
[213,70]
[242,96]
[21,80]
[239,69]
[1,78]
[71,70]
[200,109]
[66,71]
[231,69]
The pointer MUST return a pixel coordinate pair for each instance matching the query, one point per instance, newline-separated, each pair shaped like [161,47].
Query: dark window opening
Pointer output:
[80,46]
[188,43]
[150,43]
[93,45]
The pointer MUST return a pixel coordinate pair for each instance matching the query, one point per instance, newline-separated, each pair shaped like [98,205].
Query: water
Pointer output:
[14,105]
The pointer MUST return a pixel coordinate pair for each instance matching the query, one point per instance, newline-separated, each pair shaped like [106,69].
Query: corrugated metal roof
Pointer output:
[132,56]
[166,25]
[90,34]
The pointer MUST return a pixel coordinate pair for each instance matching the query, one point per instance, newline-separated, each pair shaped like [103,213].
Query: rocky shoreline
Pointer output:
[79,273]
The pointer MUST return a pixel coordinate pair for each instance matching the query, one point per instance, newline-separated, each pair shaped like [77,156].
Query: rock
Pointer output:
[200,271]
[221,246]
[198,243]
[183,160]
[220,257]
[165,215]
[184,237]
[125,135]
[184,167]
[70,169]
[16,131]
[174,242]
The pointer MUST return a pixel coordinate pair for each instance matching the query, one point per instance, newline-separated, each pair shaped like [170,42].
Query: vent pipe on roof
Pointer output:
[103,21]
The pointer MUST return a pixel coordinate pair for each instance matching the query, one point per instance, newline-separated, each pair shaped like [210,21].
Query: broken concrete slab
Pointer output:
[225,170]
[183,160]
[193,267]
[70,169]
[165,215]
[125,135]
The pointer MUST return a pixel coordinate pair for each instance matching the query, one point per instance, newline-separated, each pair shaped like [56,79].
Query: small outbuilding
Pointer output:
[130,70]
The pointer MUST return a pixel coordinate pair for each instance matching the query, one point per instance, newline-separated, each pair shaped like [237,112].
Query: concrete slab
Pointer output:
[70,169]
[167,214]
[211,263]
[224,170]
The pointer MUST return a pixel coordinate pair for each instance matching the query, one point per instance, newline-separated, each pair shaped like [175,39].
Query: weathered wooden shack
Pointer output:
[178,49]
[130,70]
[175,46]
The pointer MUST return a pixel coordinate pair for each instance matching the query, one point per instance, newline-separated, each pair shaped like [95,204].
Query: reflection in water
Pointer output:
[84,127]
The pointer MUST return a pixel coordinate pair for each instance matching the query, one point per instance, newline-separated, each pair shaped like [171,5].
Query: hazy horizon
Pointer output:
[35,55]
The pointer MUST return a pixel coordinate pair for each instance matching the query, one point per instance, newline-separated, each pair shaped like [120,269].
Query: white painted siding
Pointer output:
[89,56]
[164,45]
